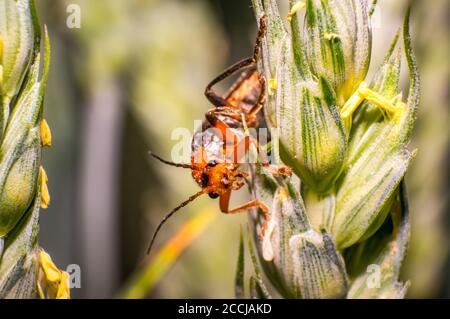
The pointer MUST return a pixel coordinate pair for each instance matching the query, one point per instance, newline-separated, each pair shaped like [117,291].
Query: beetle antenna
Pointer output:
[192,198]
[170,163]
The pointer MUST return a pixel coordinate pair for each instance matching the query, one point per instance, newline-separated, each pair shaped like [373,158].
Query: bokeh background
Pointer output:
[135,71]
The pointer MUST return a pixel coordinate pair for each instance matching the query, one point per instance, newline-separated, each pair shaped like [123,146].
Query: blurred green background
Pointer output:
[136,70]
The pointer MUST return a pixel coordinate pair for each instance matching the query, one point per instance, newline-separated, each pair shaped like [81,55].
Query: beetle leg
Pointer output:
[224,207]
[215,98]
[259,37]
[224,202]
[261,99]
[262,81]
[277,170]
[226,111]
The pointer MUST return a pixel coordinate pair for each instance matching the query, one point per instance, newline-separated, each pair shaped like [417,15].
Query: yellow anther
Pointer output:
[353,102]
[46,134]
[45,195]
[52,273]
[63,288]
[379,100]
[364,93]
[299,5]
[331,35]
[273,84]
[53,283]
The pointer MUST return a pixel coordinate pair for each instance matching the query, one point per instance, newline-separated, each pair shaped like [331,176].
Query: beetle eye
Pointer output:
[213,195]
[212,163]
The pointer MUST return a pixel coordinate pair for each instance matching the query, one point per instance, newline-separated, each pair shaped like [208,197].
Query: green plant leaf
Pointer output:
[259,286]
[256,290]
[414,79]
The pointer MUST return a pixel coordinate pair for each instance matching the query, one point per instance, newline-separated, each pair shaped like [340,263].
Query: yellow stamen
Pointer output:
[45,195]
[53,283]
[46,134]
[351,105]
[273,84]
[394,106]
[63,288]
[377,99]
[52,273]
[295,8]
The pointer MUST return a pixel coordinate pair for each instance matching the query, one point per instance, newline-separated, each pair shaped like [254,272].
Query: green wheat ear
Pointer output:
[26,271]
[344,212]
